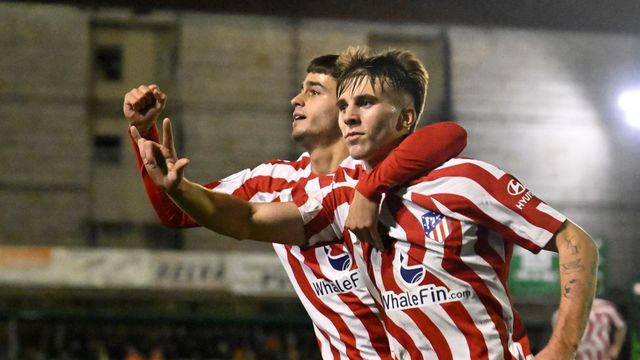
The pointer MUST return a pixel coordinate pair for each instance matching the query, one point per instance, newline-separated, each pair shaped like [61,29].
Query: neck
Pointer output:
[326,158]
[382,153]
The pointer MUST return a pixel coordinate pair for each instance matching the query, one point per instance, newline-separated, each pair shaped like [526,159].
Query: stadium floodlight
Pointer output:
[629,102]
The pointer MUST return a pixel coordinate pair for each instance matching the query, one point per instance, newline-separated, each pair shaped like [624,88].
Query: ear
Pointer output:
[406,120]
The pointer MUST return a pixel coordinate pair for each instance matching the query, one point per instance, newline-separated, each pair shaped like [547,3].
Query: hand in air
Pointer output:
[143,105]
[363,220]
[160,160]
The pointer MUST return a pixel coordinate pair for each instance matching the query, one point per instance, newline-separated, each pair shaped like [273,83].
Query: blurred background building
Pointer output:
[85,268]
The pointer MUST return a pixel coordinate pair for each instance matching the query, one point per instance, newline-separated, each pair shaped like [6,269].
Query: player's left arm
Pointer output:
[422,151]
[578,257]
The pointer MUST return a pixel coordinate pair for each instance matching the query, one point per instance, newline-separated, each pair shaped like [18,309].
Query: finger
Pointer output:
[148,99]
[161,99]
[159,158]
[364,236]
[135,134]
[177,172]
[137,99]
[147,151]
[167,134]
[180,165]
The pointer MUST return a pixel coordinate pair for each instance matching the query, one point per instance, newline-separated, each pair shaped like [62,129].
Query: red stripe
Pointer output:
[461,317]
[262,183]
[371,321]
[388,283]
[469,209]
[498,188]
[345,334]
[333,349]
[453,263]
[422,322]
[330,204]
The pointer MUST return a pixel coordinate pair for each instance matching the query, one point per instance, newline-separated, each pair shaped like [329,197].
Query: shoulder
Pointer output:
[303,161]
[467,166]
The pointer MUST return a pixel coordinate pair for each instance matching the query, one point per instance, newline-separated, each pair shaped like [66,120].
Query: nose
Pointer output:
[350,116]
[297,100]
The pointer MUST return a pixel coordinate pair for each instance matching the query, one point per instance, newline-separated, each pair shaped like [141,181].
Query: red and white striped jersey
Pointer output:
[603,319]
[346,321]
[443,284]
[327,278]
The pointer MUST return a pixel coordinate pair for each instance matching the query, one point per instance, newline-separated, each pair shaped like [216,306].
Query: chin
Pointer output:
[357,153]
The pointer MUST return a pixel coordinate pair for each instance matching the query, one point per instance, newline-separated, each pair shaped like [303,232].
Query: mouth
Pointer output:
[353,136]
[297,117]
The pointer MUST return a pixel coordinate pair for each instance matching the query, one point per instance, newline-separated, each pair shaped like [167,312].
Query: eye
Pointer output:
[314,92]
[342,106]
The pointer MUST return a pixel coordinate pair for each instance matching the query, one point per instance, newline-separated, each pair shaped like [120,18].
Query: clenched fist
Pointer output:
[143,105]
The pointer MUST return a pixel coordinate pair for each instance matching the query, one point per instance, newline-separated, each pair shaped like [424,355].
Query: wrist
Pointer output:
[370,191]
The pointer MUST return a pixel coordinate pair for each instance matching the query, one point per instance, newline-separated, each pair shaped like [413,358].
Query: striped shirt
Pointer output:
[327,279]
[603,319]
[346,322]
[442,285]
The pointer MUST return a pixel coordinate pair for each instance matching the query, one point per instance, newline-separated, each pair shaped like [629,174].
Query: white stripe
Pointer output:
[544,208]
[494,171]
[476,194]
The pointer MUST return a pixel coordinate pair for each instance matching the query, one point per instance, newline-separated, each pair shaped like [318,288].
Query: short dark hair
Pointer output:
[400,70]
[324,64]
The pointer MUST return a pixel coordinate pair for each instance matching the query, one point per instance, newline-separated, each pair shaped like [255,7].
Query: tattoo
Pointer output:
[572,266]
[568,243]
[569,288]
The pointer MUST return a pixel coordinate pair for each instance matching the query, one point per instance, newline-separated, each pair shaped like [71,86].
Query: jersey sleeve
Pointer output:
[470,190]
[323,211]
[260,184]
[422,151]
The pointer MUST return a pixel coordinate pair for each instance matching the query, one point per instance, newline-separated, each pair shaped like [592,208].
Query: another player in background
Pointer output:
[345,318]
[605,332]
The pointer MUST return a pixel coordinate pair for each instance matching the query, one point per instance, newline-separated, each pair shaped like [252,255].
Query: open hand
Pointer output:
[160,160]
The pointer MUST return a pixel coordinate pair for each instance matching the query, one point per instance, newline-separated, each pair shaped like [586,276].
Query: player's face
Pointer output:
[314,110]
[370,121]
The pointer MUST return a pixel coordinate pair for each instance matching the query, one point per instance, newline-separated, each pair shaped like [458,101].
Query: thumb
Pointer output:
[179,167]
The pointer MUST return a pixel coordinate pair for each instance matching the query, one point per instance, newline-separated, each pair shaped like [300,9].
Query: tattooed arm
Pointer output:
[578,264]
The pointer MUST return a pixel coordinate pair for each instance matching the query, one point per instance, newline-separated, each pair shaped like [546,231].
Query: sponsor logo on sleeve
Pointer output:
[515,188]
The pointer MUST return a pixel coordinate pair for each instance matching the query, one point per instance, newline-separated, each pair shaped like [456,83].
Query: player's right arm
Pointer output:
[229,215]
[222,213]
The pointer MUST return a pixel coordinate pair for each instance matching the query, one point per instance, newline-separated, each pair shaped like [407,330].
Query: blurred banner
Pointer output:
[123,269]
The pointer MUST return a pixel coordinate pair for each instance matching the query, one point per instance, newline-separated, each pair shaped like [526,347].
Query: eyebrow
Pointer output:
[359,98]
[313,83]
